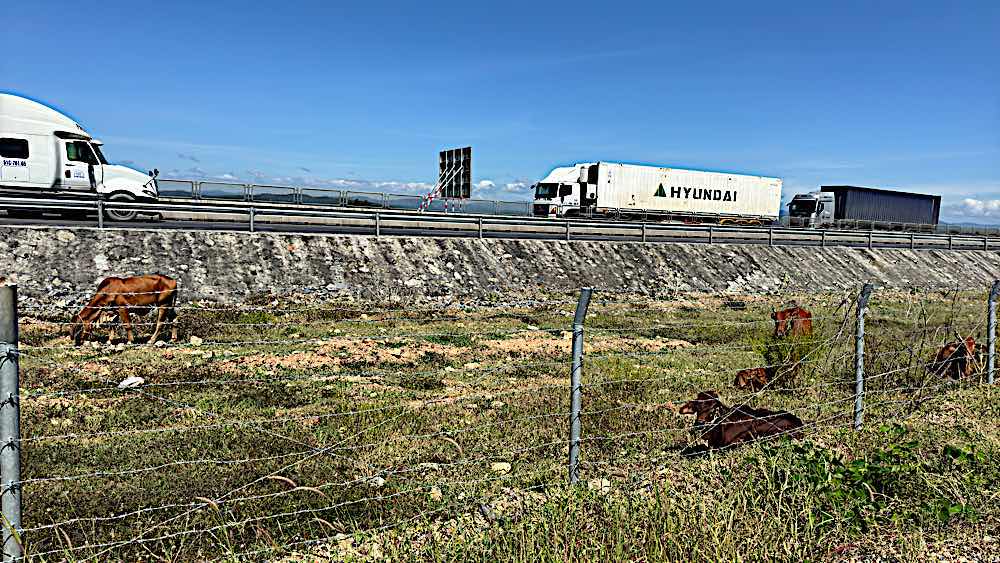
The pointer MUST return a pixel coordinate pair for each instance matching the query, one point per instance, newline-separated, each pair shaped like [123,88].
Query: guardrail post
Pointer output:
[575,387]
[711,235]
[949,242]
[567,230]
[770,236]
[859,356]
[100,213]
[822,238]
[991,334]
[378,225]
[10,426]
[643,232]
[253,214]
[912,245]
[986,243]
[869,240]
[480,227]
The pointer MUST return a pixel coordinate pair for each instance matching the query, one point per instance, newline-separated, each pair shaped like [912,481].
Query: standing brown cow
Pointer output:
[956,359]
[723,426]
[136,295]
[793,321]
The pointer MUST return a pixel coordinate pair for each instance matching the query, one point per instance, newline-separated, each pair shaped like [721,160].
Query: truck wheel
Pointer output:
[121,214]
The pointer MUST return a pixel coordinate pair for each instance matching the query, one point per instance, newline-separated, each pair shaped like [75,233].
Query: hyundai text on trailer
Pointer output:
[45,153]
[614,190]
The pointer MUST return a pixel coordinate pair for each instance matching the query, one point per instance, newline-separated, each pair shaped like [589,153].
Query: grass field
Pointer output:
[296,431]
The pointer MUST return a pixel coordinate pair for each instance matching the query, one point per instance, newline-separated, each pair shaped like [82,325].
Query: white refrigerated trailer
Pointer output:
[613,190]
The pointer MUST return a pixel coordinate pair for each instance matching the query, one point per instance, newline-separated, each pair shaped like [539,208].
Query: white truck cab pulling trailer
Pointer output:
[611,189]
[44,153]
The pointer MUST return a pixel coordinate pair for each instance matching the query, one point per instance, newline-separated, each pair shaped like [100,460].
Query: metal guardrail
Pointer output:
[264,193]
[287,218]
[261,193]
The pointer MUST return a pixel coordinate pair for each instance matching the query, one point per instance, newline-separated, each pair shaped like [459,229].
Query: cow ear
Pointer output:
[712,393]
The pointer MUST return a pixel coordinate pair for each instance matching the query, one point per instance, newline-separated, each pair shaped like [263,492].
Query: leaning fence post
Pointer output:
[574,383]
[10,426]
[859,357]
[991,334]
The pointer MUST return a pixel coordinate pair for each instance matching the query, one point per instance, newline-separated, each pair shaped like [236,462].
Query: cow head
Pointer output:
[79,329]
[703,406]
[752,378]
[781,322]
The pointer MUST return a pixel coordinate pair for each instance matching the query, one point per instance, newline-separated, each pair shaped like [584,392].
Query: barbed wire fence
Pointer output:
[272,426]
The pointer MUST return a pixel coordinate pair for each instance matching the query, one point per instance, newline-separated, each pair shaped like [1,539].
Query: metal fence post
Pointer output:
[378,225]
[869,240]
[991,334]
[575,385]
[711,235]
[949,242]
[912,246]
[567,230]
[643,232]
[859,356]
[770,236]
[822,240]
[253,213]
[480,227]
[10,426]
[100,213]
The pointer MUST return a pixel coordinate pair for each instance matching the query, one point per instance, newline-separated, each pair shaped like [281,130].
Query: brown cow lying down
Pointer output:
[754,379]
[722,426]
[793,321]
[956,359]
[129,296]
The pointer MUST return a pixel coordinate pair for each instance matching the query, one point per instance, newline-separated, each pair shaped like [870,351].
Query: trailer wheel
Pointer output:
[121,214]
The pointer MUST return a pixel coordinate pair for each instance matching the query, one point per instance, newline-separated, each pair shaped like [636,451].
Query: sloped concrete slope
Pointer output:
[68,263]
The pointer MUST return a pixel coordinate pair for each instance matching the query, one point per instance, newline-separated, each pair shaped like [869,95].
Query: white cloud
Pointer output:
[988,208]
[483,184]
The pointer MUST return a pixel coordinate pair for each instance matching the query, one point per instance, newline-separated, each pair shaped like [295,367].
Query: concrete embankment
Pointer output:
[66,264]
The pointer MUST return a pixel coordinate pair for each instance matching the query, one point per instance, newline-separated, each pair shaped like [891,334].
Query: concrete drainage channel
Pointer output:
[312,220]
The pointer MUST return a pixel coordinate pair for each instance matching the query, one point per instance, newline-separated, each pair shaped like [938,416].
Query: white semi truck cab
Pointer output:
[814,209]
[566,190]
[45,153]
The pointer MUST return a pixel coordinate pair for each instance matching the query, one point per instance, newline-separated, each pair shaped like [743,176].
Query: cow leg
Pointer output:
[161,312]
[123,315]
[173,323]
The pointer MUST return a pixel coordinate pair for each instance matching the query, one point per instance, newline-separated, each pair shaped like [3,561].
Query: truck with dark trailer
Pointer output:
[856,207]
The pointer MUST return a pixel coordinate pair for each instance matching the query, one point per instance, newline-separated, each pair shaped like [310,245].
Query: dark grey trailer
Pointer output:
[854,203]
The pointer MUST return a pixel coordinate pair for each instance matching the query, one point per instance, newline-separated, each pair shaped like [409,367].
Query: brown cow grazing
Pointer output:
[955,359]
[722,426]
[135,295]
[754,379]
[794,321]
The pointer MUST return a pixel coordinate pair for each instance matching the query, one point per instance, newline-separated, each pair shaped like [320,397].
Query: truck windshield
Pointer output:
[802,208]
[545,191]
[100,155]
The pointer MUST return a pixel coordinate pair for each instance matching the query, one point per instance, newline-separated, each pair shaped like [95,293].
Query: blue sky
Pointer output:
[892,94]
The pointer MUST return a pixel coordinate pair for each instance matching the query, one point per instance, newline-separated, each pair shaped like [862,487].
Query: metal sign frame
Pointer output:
[455,173]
